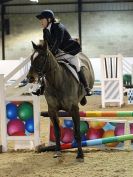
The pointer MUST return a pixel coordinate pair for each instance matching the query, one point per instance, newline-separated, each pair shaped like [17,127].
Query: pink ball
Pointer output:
[15,126]
[119,129]
[131,128]
[67,135]
[94,133]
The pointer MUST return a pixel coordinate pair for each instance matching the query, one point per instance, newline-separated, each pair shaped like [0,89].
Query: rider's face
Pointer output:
[44,23]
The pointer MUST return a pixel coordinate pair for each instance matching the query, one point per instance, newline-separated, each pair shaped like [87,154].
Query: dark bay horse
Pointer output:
[62,92]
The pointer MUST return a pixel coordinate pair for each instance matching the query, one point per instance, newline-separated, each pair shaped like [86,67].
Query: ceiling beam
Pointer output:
[65,3]
[38,4]
[4,1]
[105,1]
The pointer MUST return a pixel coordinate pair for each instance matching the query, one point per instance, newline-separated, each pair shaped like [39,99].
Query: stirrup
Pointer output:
[88,91]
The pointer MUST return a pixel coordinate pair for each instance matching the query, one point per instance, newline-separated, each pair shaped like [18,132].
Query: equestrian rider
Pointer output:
[59,40]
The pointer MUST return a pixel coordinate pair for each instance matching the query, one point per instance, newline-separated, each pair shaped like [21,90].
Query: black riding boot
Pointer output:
[84,82]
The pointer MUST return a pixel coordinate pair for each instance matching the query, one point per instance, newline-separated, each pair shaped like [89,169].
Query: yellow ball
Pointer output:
[96,124]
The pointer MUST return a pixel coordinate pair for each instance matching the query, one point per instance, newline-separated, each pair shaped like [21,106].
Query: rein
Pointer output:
[44,70]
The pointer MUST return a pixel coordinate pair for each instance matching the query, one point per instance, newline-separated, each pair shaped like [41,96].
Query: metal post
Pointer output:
[3,30]
[80,21]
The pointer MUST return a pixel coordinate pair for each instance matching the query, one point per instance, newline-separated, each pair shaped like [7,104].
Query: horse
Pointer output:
[62,92]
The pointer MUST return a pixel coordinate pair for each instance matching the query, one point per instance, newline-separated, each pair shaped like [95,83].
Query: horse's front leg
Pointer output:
[57,133]
[76,121]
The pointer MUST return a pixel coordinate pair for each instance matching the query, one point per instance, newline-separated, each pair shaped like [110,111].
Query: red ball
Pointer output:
[19,134]
[68,135]
[94,133]
[15,126]
[52,136]
[17,103]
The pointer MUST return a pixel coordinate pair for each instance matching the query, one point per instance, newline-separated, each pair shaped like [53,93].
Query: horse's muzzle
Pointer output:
[31,79]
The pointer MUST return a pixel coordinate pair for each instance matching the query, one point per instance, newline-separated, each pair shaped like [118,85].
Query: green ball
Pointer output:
[83,127]
[25,111]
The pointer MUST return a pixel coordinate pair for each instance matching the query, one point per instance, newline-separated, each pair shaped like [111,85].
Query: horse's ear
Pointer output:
[34,45]
[45,45]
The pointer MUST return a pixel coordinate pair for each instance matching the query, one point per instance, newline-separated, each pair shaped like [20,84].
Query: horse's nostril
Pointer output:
[31,79]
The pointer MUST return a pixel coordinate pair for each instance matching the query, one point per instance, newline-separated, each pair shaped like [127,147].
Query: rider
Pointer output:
[59,39]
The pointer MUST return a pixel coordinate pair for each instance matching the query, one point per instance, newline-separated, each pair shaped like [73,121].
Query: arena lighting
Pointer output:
[34,0]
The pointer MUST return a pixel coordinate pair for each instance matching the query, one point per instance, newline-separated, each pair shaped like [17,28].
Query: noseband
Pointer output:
[41,70]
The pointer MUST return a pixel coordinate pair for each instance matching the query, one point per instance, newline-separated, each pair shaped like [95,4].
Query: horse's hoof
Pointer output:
[57,154]
[38,149]
[80,159]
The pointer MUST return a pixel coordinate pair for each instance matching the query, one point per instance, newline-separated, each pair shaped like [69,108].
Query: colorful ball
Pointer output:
[108,126]
[83,138]
[67,135]
[61,122]
[15,126]
[68,123]
[29,125]
[113,123]
[94,133]
[119,129]
[25,111]
[131,128]
[96,124]
[11,111]
[19,134]
[52,135]
[83,127]
[110,133]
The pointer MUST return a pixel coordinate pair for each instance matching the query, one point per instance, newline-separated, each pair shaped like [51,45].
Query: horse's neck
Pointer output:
[54,75]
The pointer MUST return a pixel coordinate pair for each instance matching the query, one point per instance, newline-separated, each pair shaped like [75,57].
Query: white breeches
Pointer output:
[74,60]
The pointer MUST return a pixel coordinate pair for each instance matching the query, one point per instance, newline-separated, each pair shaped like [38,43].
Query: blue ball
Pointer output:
[68,123]
[29,125]
[11,111]
[83,138]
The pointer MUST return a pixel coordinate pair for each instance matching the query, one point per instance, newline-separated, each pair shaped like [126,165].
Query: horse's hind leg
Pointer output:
[76,121]
[55,122]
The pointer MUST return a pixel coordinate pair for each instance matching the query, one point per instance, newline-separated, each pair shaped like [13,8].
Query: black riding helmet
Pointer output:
[46,14]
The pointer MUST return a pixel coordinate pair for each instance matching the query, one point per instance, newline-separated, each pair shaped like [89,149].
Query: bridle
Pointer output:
[41,72]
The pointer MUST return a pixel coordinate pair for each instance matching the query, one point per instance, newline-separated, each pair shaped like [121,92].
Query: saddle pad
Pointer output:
[71,69]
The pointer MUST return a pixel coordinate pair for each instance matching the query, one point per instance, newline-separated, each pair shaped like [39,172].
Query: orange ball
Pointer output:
[61,122]
[110,133]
